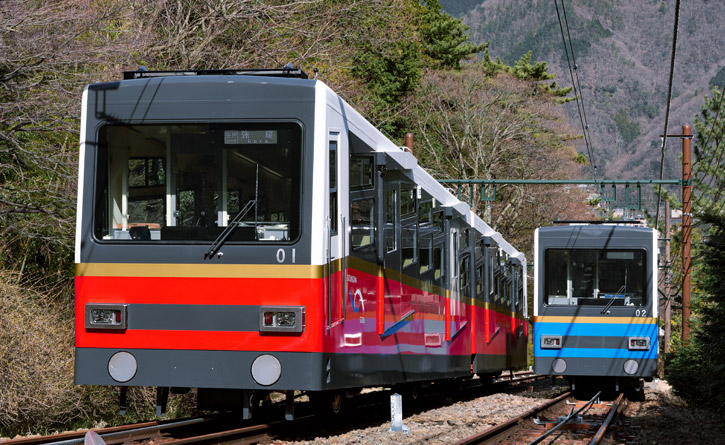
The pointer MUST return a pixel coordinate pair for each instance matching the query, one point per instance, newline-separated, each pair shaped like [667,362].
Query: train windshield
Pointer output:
[186,182]
[579,277]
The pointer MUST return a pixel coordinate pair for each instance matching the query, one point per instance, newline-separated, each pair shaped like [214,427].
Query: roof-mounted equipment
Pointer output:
[295,73]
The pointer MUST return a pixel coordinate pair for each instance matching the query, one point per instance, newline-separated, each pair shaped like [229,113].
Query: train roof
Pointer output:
[595,236]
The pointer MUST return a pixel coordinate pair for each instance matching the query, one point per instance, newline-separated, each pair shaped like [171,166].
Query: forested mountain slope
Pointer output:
[623,52]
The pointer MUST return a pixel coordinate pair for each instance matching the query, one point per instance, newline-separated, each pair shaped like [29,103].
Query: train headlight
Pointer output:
[282,319]
[266,369]
[638,343]
[122,366]
[631,367]
[106,316]
[551,342]
[558,365]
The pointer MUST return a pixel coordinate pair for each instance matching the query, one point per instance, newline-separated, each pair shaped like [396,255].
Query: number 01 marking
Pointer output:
[281,255]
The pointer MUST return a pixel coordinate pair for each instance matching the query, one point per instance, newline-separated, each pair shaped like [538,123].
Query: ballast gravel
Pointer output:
[663,418]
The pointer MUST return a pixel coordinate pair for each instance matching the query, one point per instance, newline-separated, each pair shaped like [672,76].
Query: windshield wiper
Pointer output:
[611,301]
[233,224]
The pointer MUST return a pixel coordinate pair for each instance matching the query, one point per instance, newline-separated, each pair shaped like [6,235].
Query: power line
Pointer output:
[577,90]
[579,87]
[667,113]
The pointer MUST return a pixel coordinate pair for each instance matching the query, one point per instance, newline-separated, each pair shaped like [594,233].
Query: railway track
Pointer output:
[559,421]
[229,428]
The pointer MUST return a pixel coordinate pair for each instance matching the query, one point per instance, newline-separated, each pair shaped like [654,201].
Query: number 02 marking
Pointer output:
[640,313]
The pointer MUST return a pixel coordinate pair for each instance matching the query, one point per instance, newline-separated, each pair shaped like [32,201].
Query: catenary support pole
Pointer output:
[686,231]
[668,280]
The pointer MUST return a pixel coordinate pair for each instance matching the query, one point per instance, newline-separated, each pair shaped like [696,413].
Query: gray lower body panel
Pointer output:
[299,370]
[606,367]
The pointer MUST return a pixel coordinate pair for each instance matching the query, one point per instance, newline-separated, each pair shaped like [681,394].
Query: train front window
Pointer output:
[186,182]
[582,277]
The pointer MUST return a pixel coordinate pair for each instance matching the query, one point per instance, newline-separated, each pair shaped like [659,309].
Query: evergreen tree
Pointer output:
[445,38]
[697,370]
[708,170]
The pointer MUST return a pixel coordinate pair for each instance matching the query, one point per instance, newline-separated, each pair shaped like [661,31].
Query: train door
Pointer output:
[491,328]
[453,276]
[464,282]
[392,233]
[335,227]
[362,281]
[436,303]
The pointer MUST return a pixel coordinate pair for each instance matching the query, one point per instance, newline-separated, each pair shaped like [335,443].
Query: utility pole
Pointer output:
[686,230]
[668,280]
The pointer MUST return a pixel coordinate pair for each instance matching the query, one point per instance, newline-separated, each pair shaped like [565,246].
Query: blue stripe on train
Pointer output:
[596,353]
[596,330]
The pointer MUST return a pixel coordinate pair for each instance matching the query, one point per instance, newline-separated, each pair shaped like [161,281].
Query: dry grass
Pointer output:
[36,363]
[37,393]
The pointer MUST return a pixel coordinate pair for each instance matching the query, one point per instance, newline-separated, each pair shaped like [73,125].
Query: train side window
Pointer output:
[425,217]
[333,184]
[438,221]
[426,251]
[492,264]
[391,200]
[479,281]
[438,262]
[363,223]
[464,267]
[410,245]
[361,172]
[464,241]
[407,202]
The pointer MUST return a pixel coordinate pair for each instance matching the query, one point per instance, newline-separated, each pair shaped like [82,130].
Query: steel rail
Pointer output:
[612,412]
[132,431]
[493,431]
[571,415]
[55,438]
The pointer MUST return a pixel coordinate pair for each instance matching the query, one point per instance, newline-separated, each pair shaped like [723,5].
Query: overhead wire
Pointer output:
[577,90]
[667,112]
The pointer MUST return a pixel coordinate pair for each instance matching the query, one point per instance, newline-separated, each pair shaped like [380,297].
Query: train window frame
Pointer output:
[425,212]
[391,217]
[480,288]
[333,151]
[408,201]
[363,175]
[437,221]
[492,263]
[439,271]
[464,279]
[426,261]
[369,229]
[109,220]
[411,228]
[599,296]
